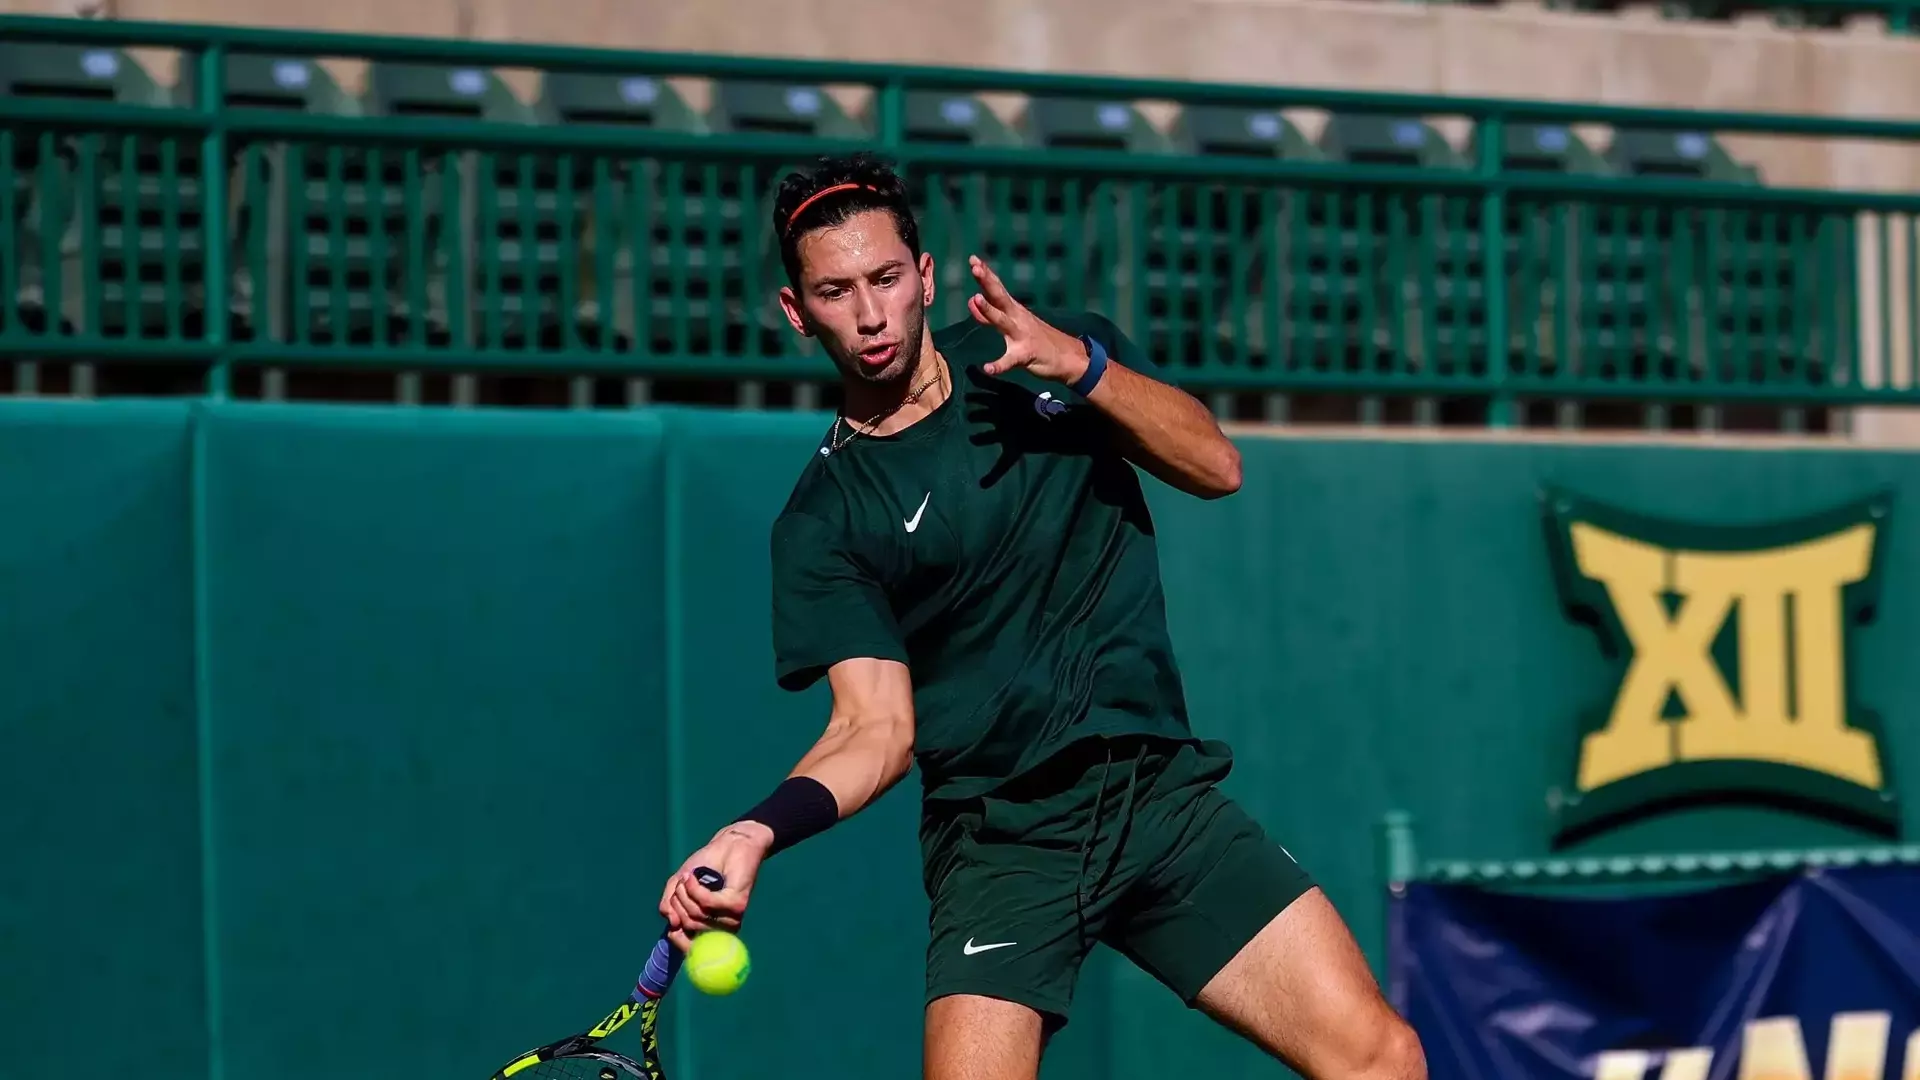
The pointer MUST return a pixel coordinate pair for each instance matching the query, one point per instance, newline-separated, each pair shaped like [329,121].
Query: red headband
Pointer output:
[821,194]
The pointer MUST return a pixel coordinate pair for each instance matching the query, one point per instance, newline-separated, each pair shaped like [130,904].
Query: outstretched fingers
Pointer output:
[985,313]
[997,307]
[991,286]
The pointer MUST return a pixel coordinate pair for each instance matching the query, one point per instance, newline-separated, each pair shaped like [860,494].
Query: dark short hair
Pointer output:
[833,190]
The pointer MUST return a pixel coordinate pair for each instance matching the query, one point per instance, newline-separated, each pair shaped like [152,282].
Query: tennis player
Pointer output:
[967,560]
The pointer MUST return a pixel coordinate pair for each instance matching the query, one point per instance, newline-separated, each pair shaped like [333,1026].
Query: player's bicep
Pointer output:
[828,607]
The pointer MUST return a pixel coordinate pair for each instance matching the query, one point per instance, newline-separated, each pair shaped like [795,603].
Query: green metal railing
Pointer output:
[408,243]
[1402,864]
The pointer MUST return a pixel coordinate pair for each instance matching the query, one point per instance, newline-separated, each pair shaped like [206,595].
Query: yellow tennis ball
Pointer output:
[717,963]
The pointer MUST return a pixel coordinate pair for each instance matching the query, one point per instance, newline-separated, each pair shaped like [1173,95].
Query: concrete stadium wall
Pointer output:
[357,740]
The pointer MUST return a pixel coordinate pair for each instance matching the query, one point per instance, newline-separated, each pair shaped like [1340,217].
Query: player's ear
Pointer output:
[790,304]
[926,278]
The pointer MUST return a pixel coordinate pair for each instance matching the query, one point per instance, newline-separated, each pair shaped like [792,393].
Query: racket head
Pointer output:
[578,1057]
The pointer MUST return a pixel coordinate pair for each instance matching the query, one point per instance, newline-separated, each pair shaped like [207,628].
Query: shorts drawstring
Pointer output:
[1080,887]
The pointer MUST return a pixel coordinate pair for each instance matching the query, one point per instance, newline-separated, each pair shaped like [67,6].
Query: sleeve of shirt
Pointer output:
[827,604]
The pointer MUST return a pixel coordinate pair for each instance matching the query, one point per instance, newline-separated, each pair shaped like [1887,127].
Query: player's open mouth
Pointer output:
[879,355]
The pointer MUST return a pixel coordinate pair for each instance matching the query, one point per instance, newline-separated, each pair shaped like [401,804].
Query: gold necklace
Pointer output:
[834,442]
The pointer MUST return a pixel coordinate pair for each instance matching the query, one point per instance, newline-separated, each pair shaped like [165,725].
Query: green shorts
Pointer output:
[1123,842]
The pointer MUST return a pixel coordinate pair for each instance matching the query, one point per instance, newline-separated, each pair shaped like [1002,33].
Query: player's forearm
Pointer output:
[866,749]
[1172,435]
[854,762]
[859,758]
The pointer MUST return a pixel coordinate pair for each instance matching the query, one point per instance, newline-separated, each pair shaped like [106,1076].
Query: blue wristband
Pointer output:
[1096,366]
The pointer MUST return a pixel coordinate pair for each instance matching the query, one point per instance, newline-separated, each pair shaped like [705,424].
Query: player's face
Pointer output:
[864,296]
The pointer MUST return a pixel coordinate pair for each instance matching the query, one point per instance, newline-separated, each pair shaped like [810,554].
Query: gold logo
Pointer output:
[1732,651]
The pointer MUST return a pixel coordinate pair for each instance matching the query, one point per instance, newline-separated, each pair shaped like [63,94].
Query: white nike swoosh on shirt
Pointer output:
[913,522]
[970,948]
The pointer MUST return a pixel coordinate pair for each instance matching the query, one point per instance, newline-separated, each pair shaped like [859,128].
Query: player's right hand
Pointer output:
[689,907]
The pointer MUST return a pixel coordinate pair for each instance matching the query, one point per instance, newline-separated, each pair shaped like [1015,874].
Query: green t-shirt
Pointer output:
[1002,549]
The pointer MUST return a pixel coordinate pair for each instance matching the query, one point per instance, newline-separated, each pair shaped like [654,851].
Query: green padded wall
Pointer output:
[436,715]
[476,680]
[100,897]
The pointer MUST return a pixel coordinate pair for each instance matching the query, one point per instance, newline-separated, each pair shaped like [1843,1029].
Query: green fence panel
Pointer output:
[99,782]
[436,697]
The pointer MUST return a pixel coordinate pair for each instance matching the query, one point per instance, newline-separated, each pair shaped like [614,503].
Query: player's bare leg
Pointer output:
[982,1038]
[1301,990]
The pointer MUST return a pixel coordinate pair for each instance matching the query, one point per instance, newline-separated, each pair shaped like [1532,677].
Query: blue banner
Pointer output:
[1812,976]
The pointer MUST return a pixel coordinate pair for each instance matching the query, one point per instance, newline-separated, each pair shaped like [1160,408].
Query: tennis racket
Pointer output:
[577,1057]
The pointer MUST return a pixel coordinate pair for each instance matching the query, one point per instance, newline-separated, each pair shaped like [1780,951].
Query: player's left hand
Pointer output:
[1032,343]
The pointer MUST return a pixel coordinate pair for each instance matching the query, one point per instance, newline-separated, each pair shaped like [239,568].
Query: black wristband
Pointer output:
[800,807]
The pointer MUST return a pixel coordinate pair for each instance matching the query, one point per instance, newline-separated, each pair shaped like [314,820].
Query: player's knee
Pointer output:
[1392,1053]
[1372,1045]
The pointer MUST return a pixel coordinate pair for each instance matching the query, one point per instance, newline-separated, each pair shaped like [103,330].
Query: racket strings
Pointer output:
[600,1066]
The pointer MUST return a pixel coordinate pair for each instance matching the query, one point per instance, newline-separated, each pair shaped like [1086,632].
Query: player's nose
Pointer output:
[870,313]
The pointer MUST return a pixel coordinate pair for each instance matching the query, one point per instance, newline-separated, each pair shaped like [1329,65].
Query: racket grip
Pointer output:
[664,962]
[662,965]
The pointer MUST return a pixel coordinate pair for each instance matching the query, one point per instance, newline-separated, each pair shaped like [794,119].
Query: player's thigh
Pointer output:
[1302,991]
[971,1037]
[1213,882]
[1229,922]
